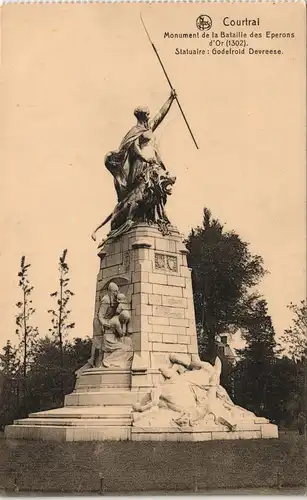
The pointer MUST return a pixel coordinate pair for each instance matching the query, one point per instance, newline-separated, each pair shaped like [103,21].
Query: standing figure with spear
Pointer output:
[141,181]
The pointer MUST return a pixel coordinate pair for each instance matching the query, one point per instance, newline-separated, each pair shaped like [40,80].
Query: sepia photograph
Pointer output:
[153,261]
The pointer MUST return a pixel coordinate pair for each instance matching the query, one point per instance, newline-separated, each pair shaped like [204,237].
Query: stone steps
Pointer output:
[206,433]
[83,412]
[104,398]
[94,422]
[65,433]
[79,416]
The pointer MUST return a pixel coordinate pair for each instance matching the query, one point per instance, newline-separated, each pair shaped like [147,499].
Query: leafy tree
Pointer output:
[295,337]
[295,340]
[47,383]
[9,384]
[223,274]
[254,371]
[44,381]
[9,362]
[26,333]
[50,377]
[79,351]
[258,333]
[60,315]
[302,391]
[286,399]
[271,390]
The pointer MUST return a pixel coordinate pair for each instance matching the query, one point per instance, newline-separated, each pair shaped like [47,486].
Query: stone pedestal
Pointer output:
[151,270]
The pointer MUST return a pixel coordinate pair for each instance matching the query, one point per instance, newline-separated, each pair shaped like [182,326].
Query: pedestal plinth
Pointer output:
[151,270]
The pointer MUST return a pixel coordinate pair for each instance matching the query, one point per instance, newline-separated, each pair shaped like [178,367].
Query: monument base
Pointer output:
[259,429]
[115,424]
[100,409]
[151,271]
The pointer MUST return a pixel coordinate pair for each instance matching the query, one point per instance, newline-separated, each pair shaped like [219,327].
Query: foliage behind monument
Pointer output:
[224,274]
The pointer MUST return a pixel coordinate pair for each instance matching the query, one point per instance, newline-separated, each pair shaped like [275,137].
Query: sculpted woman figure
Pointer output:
[111,343]
[117,345]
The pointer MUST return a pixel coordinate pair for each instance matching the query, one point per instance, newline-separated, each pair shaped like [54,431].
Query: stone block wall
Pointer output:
[152,270]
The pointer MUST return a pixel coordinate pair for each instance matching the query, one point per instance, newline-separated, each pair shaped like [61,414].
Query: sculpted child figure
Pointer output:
[121,308]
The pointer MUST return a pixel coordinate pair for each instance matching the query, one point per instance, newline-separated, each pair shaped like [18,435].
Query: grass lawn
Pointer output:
[253,466]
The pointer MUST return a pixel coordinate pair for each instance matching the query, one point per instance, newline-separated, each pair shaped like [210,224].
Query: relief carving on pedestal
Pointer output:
[127,261]
[166,262]
[171,263]
[190,396]
[112,343]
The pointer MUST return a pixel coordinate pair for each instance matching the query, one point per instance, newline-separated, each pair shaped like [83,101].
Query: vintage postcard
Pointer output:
[153,257]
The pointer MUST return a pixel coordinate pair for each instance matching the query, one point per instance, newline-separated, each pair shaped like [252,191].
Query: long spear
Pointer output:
[169,82]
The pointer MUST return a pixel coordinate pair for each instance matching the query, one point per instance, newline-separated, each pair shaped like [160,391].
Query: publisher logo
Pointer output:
[204,22]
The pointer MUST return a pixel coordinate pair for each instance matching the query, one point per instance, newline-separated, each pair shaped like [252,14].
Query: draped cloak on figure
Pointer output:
[120,162]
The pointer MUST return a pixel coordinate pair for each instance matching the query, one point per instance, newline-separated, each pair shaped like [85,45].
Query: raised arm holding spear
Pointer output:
[169,82]
[141,180]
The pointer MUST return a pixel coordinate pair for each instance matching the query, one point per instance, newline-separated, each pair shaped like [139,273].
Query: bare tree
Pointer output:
[26,333]
[60,315]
